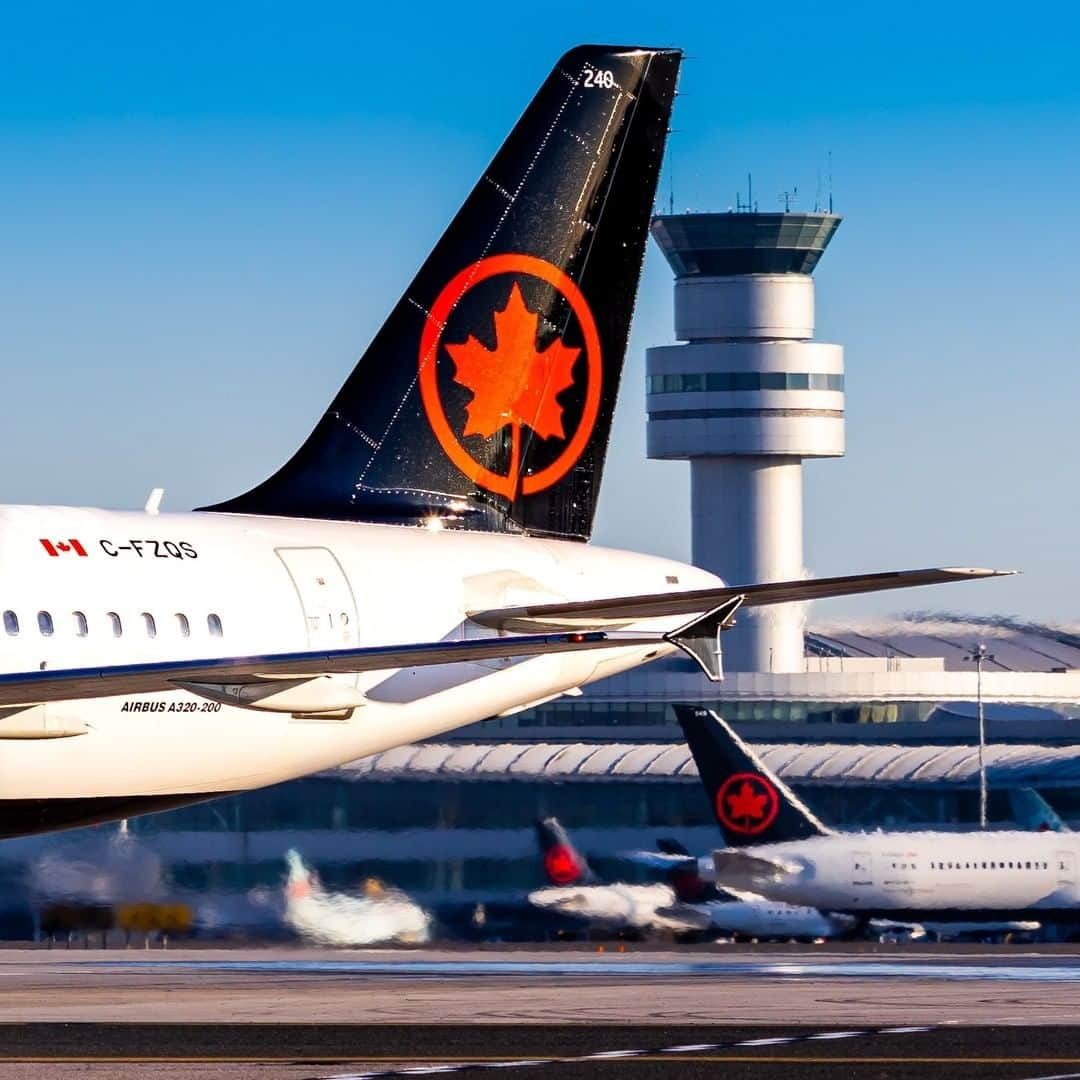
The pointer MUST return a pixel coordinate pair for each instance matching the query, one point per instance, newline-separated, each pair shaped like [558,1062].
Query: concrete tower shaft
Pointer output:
[745,399]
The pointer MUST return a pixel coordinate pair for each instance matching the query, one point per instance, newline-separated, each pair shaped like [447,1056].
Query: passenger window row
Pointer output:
[996,865]
[80,625]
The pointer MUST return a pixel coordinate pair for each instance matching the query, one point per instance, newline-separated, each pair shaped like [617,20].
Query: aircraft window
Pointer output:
[344,618]
[183,625]
[11,623]
[45,623]
[150,624]
[115,624]
[1027,866]
[213,624]
[81,627]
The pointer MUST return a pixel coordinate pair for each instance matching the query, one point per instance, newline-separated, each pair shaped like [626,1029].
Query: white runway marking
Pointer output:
[601,1055]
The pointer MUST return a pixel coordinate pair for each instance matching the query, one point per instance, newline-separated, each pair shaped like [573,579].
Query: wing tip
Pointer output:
[977,572]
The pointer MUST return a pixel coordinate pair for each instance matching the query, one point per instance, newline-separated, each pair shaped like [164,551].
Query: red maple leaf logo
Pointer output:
[747,803]
[514,383]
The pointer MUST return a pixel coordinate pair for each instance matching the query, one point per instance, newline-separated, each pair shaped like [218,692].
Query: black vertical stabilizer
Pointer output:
[563,863]
[486,398]
[752,805]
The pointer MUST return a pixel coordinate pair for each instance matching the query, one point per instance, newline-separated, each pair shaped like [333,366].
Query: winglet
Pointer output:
[700,638]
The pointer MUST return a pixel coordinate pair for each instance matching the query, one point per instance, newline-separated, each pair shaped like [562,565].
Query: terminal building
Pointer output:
[873,721]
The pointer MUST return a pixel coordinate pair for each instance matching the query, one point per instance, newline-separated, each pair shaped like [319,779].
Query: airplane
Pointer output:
[744,914]
[380,916]
[420,563]
[778,847]
[684,905]
[575,890]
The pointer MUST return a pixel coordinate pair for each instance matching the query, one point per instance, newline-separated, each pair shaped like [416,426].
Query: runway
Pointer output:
[766,1012]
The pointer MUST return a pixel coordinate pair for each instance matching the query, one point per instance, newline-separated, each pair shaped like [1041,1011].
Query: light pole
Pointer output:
[979,656]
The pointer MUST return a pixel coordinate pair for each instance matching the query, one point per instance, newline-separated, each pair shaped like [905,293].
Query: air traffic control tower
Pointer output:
[746,397]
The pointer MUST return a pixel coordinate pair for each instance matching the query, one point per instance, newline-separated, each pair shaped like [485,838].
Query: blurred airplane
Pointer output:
[685,904]
[575,890]
[1031,811]
[381,915]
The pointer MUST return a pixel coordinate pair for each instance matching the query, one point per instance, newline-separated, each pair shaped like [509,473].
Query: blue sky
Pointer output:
[207,210]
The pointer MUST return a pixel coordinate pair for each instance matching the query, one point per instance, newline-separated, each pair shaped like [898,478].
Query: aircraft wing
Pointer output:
[248,680]
[619,610]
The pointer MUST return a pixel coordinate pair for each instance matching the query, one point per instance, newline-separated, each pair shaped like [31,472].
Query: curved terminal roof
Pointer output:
[823,763]
[1014,645]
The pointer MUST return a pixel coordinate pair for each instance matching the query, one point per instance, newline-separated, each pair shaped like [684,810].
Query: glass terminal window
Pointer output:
[729,381]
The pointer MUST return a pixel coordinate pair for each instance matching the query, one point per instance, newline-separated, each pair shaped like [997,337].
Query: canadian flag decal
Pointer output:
[56,548]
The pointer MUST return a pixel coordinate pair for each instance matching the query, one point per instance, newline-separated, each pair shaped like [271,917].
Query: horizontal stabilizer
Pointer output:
[620,610]
[37,687]
[737,866]
[660,860]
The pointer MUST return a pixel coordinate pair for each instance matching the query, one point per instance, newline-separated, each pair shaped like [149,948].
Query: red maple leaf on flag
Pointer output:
[747,803]
[514,383]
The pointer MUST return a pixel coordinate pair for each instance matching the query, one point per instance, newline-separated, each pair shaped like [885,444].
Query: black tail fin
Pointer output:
[751,803]
[563,863]
[486,399]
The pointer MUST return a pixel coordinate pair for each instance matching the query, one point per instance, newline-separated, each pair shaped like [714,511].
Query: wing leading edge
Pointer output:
[619,610]
[277,669]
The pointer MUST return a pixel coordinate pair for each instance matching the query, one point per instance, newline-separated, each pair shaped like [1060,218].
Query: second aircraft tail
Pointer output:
[750,802]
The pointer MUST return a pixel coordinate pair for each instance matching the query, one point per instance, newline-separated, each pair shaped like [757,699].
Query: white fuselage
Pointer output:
[616,906]
[654,907]
[983,872]
[761,918]
[193,586]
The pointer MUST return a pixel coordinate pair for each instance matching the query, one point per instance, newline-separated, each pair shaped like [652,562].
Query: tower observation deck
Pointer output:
[745,398]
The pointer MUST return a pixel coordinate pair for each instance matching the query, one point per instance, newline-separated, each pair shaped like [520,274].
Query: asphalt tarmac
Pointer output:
[566,1013]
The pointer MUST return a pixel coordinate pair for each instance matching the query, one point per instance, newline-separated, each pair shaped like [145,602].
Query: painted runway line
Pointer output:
[450,969]
[649,1052]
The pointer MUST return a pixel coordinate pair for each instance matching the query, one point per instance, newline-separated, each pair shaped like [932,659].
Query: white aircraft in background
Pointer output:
[777,847]
[381,915]
[685,904]
[575,890]
[419,563]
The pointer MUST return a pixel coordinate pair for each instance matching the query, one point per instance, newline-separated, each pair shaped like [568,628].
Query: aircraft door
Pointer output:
[1066,867]
[325,595]
[862,874]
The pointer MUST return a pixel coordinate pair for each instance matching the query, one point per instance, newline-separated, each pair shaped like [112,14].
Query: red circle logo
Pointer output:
[747,804]
[516,384]
[561,865]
